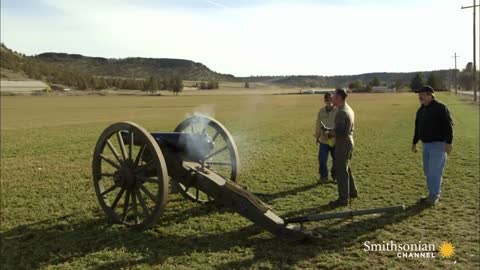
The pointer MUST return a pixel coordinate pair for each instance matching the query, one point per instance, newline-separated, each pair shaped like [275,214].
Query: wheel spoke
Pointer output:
[130,147]
[197,194]
[111,162]
[148,193]
[192,128]
[215,136]
[108,190]
[143,167]
[114,151]
[122,145]
[142,202]
[119,196]
[125,205]
[149,179]
[140,154]
[216,153]
[134,207]
[185,188]
[106,175]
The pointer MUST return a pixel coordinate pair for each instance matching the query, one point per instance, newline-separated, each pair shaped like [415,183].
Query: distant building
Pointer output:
[313,91]
[383,89]
[321,92]
[308,91]
[22,87]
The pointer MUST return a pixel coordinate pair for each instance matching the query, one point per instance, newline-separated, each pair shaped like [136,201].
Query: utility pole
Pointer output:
[450,79]
[474,70]
[455,73]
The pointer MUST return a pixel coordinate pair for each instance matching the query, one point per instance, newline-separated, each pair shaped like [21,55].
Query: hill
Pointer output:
[85,72]
[134,67]
[10,75]
[17,66]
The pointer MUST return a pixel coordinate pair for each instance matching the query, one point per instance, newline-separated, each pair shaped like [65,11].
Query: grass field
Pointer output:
[50,218]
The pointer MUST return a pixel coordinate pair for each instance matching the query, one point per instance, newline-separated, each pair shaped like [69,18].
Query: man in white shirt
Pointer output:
[326,115]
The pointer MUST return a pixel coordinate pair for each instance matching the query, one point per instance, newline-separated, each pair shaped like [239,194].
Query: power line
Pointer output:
[474,69]
[455,73]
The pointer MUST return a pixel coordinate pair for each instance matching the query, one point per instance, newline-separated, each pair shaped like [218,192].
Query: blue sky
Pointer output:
[256,37]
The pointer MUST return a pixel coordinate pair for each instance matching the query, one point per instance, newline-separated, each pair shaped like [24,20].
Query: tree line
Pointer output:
[207,85]
[417,82]
[154,83]
[464,77]
[360,86]
[57,74]
[464,80]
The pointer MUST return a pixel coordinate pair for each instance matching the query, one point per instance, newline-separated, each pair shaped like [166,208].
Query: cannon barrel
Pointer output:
[347,214]
[190,146]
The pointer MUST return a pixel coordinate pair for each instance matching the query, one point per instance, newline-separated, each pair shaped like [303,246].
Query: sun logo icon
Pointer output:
[446,250]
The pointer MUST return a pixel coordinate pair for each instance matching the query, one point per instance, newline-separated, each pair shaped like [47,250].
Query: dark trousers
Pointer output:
[323,151]
[343,170]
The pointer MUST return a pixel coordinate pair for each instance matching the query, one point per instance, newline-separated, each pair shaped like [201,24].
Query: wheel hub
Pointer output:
[125,177]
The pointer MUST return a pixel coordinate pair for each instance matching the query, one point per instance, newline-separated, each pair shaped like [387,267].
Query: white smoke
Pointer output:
[203,110]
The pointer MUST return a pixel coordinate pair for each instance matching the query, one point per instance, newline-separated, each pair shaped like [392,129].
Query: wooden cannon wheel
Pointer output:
[223,158]
[130,175]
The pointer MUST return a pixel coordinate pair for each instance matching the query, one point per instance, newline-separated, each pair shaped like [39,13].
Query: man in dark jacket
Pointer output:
[434,127]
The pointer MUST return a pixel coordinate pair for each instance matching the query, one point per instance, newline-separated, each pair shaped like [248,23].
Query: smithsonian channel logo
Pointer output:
[411,250]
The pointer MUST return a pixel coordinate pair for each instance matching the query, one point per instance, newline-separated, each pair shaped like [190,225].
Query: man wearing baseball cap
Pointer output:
[434,127]
[326,116]
[343,133]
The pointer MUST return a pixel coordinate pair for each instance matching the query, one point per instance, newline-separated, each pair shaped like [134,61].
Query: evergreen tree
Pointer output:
[433,81]
[417,82]
[375,81]
[81,84]
[356,85]
[151,84]
[165,84]
[177,85]
[398,84]
[101,84]
[93,83]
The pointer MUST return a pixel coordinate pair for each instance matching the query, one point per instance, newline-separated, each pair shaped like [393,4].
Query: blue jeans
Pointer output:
[323,151]
[434,158]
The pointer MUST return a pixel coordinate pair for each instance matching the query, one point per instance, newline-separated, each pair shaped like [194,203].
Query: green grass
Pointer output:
[50,218]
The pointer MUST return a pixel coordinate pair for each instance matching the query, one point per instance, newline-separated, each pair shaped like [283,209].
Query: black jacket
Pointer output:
[433,124]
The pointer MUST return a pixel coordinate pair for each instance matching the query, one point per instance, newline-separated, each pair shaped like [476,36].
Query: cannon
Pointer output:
[134,171]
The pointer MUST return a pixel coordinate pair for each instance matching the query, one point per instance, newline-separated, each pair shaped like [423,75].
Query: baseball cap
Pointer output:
[426,88]
[341,92]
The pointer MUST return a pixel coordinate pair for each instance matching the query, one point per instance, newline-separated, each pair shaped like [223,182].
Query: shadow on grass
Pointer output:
[282,194]
[40,244]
